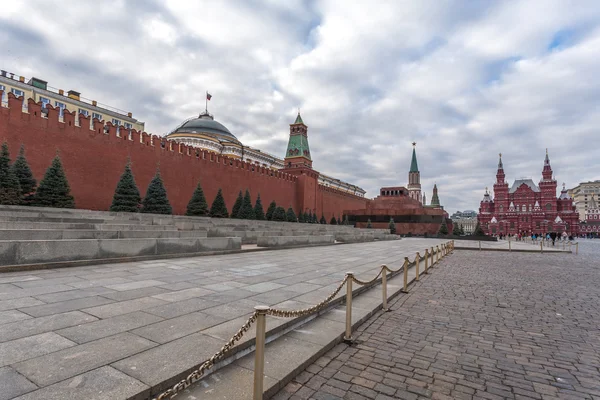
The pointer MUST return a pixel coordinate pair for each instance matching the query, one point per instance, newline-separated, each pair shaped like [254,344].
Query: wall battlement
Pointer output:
[94,154]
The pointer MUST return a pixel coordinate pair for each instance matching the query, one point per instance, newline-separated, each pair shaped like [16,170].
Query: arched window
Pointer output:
[524,208]
[548,206]
[501,208]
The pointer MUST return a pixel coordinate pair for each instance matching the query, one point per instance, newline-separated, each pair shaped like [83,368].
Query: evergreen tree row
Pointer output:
[17,185]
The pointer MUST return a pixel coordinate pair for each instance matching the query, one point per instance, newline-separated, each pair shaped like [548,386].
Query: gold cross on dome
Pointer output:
[500,154]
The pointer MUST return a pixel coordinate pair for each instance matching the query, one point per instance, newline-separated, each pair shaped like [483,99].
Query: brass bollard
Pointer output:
[509,249]
[480,245]
[577,248]
[384,287]
[348,336]
[437,252]
[426,260]
[542,246]
[432,257]
[259,354]
[417,262]
[405,271]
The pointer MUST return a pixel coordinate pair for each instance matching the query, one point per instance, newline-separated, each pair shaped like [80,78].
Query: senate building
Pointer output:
[526,207]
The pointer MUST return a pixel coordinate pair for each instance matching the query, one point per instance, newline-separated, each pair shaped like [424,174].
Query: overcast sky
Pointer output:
[464,79]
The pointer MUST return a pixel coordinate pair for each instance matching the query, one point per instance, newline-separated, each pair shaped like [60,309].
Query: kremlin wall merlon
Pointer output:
[94,160]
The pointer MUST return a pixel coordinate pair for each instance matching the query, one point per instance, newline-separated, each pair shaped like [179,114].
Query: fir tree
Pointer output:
[247,211]
[290,216]
[323,221]
[443,228]
[156,201]
[307,218]
[271,210]
[301,217]
[392,226]
[197,206]
[455,230]
[259,213]
[10,190]
[333,221]
[369,226]
[218,208]
[314,219]
[279,214]
[462,229]
[478,231]
[54,190]
[23,173]
[237,206]
[127,195]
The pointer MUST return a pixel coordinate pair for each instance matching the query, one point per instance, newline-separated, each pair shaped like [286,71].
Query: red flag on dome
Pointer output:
[208,96]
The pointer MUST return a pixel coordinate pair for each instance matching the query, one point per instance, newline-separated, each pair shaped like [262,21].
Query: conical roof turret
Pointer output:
[414,167]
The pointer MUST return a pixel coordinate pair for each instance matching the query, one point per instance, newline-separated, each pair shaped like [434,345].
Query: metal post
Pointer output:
[542,246]
[426,261]
[417,262]
[577,248]
[480,245]
[384,286]
[432,257]
[437,252]
[259,354]
[405,268]
[509,248]
[348,336]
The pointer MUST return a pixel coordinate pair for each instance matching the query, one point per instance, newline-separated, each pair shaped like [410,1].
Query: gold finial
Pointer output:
[414,144]
[500,154]
[486,190]
[546,151]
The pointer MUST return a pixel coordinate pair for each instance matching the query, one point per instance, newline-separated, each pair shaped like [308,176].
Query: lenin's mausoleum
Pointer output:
[94,153]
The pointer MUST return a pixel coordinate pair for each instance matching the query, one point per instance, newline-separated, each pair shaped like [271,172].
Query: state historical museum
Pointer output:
[527,208]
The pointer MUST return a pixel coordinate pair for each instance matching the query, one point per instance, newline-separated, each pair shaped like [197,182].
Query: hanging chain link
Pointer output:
[306,311]
[199,372]
[372,280]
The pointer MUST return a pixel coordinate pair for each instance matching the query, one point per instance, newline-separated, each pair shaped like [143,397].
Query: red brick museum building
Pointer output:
[527,208]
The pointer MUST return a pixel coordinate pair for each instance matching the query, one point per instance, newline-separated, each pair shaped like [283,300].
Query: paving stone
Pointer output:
[83,333]
[13,384]
[178,355]
[176,309]
[104,383]
[123,307]
[18,303]
[183,294]
[232,310]
[120,287]
[175,328]
[35,326]
[9,316]
[64,306]
[73,294]
[31,346]
[135,293]
[82,358]
[35,291]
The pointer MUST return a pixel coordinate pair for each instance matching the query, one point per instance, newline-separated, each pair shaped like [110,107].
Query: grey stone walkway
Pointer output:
[483,325]
[112,331]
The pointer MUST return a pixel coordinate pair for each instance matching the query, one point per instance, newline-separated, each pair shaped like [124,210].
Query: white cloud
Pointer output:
[465,82]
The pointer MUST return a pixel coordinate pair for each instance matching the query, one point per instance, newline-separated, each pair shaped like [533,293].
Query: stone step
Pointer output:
[20,252]
[15,225]
[52,234]
[291,241]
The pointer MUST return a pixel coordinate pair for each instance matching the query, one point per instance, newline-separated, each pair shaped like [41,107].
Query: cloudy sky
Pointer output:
[464,79]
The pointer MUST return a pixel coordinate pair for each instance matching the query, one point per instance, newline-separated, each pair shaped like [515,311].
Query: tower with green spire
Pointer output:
[414,177]
[297,153]
[435,200]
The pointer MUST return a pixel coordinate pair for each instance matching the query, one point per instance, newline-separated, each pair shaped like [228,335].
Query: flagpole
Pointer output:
[206,101]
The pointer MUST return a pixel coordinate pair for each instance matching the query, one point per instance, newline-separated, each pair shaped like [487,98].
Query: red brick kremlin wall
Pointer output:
[94,161]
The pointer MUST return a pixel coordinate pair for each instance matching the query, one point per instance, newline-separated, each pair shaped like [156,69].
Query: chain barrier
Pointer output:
[198,373]
[306,311]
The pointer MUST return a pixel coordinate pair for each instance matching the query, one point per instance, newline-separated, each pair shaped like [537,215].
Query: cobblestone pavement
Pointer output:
[482,326]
